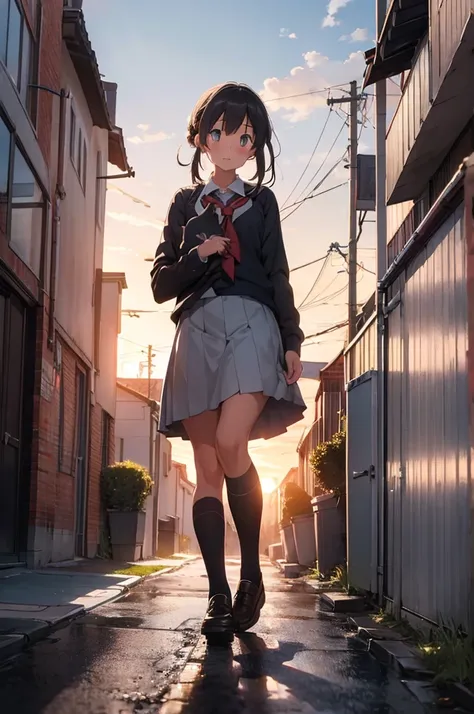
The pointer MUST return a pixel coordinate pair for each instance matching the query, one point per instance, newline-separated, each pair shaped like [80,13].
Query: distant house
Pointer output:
[176,531]
[137,439]
[329,410]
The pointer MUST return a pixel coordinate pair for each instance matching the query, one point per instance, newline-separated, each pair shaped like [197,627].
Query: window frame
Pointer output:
[16,145]
[78,150]
[32,26]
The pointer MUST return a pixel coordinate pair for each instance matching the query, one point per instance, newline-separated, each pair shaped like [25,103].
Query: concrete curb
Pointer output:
[15,642]
[396,653]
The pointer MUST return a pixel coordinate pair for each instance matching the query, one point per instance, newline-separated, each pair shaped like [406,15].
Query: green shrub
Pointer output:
[125,486]
[328,462]
[296,502]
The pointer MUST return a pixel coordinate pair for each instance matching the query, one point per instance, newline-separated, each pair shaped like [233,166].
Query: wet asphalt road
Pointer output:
[121,658]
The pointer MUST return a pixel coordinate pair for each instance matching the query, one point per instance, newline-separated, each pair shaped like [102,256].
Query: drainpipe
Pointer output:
[381,218]
[60,195]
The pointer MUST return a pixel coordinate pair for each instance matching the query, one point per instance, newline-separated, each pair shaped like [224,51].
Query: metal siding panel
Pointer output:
[427,397]
[409,116]
[394,411]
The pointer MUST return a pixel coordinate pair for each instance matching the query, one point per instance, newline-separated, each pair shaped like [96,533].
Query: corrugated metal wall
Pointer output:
[447,20]
[409,116]
[427,526]
[361,355]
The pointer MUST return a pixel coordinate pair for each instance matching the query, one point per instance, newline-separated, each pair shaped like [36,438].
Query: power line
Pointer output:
[306,265]
[300,203]
[333,328]
[310,158]
[314,176]
[315,282]
[307,94]
[315,195]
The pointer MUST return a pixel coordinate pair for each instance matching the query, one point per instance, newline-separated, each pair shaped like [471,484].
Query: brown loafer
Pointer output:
[218,623]
[248,602]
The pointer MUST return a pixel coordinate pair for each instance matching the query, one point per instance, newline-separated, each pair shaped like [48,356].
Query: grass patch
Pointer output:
[449,653]
[402,627]
[140,570]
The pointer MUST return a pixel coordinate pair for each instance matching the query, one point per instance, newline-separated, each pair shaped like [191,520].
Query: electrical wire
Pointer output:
[307,94]
[306,265]
[302,303]
[324,161]
[300,203]
[333,328]
[310,158]
[321,193]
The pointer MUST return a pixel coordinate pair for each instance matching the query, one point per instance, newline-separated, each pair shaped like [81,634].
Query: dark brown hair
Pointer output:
[233,102]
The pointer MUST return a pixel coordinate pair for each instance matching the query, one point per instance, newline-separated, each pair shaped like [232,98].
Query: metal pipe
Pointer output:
[425,227]
[60,195]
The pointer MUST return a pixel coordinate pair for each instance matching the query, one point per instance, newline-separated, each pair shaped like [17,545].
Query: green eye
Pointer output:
[245,139]
[215,134]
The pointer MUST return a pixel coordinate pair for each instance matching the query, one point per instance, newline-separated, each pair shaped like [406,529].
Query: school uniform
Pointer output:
[232,332]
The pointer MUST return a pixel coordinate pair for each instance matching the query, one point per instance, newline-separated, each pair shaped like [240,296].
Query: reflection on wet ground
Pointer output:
[121,658]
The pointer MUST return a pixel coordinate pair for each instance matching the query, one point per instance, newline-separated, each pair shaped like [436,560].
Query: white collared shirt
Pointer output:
[237,187]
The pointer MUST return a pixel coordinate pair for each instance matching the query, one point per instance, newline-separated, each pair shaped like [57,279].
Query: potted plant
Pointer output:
[328,462]
[125,488]
[297,526]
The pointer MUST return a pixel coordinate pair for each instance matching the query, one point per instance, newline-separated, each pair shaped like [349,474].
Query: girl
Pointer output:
[235,360]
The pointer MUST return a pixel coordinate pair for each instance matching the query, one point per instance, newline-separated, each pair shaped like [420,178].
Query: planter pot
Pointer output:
[330,531]
[127,533]
[305,540]
[289,547]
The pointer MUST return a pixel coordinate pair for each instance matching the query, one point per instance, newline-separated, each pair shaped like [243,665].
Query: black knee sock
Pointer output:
[245,500]
[209,526]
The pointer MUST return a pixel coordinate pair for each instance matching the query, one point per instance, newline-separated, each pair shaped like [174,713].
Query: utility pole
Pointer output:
[353,100]
[150,368]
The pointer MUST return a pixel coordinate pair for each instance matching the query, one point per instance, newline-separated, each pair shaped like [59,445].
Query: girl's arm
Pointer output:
[173,273]
[276,265]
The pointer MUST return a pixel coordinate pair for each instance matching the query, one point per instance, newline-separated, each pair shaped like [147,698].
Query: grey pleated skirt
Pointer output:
[223,346]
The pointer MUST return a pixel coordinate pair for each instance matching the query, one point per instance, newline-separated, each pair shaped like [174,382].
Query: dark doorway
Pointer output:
[12,368]
[81,461]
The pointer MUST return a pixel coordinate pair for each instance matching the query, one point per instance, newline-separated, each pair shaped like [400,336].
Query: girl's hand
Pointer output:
[214,244]
[293,366]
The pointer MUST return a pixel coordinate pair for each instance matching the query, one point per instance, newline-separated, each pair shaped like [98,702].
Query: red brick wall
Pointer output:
[95,466]
[49,74]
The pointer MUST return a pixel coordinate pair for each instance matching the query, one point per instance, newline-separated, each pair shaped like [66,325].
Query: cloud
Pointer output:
[135,220]
[150,138]
[285,32]
[303,89]
[143,127]
[359,35]
[332,10]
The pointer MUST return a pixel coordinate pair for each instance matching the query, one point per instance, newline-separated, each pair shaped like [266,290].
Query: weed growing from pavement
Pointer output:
[140,570]
[449,653]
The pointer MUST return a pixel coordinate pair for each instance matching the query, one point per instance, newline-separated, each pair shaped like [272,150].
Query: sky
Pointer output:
[163,56]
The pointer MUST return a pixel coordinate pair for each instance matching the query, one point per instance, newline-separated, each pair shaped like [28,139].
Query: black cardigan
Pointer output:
[262,273]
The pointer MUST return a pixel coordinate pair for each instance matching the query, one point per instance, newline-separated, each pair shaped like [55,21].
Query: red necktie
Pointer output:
[233,252]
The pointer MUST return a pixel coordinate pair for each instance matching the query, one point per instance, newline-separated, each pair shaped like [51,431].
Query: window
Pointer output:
[27,214]
[19,48]
[78,155]
[5,150]
[72,137]
[78,150]
[99,190]
[84,164]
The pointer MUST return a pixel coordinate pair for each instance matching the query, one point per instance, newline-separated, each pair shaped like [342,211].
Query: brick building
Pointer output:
[57,399]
